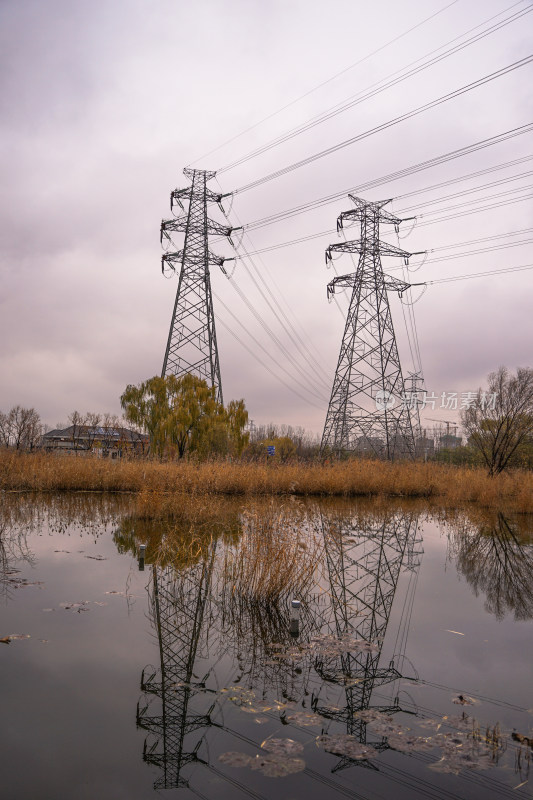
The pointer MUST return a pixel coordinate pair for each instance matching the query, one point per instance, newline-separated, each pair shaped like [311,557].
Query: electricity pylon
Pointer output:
[192,342]
[178,602]
[367,410]
[363,569]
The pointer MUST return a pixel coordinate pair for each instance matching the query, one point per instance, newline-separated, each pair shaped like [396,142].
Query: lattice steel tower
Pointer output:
[366,412]
[192,342]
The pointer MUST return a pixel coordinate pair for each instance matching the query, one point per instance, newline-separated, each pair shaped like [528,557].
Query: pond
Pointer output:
[408,672]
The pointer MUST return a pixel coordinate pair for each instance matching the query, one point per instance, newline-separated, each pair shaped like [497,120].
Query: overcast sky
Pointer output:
[104,103]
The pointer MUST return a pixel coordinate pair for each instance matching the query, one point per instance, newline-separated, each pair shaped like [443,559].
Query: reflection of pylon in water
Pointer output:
[364,567]
[178,605]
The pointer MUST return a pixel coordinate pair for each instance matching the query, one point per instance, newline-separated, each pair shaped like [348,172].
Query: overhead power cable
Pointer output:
[287,322]
[523,62]
[465,254]
[485,274]
[274,374]
[270,332]
[325,82]
[462,178]
[397,175]
[290,375]
[332,232]
[386,83]
[473,190]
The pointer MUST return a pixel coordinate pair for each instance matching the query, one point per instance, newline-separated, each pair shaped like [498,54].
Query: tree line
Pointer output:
[182,417]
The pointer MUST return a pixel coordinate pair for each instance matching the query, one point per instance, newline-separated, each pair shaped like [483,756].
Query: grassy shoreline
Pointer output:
[449,485]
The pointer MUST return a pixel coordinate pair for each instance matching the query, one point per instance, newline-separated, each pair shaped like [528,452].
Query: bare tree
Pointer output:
[92,430]
[4,430]
[22,428]
[499,420]
[78,423]
[110,425]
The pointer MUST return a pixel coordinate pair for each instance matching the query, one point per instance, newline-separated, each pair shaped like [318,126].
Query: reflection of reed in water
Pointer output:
[496,557]
[22,514]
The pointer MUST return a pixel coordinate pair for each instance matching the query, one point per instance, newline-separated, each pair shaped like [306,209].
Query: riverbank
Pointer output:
[159,482]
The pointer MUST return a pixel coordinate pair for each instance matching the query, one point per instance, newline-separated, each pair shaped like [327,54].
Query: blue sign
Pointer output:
[271,450]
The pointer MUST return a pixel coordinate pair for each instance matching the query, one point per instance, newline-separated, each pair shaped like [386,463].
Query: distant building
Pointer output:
[98,440]
[425,447]
[449,442]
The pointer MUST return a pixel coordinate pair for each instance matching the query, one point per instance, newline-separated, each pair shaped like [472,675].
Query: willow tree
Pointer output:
[182,414]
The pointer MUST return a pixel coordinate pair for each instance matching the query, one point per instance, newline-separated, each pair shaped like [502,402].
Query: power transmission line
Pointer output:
[256,357]
[330,232]
[286,323]
[263,348]
[382,85]
[324,83]
[502,271]
[390,123]
[398,174]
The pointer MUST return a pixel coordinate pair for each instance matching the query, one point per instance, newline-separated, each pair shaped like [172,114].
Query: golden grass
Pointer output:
[276,554]
[166,484]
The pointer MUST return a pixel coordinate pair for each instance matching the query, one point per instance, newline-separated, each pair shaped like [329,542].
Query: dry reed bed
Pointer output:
[449,485]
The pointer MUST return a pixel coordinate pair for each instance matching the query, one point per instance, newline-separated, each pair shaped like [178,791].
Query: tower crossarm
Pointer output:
[174,261]
[361,246]
[178,195]
[363,207]
[356,279]
[179,225]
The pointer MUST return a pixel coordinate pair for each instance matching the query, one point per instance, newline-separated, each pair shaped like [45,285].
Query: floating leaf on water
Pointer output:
[261,720]
[273,766]
[463,700]
[431,724]
[234,759]
[409,744]
[303,718]
[329,645]
[13,636]
[381,723]
[455,761]
[241,696]
[444,766]
[23,583]
[387,728]
[347,680]
[345,744]
[462,723]
[282,747]
[97,558]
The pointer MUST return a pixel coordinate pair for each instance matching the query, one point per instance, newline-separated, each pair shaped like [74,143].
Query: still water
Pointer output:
[410,675]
